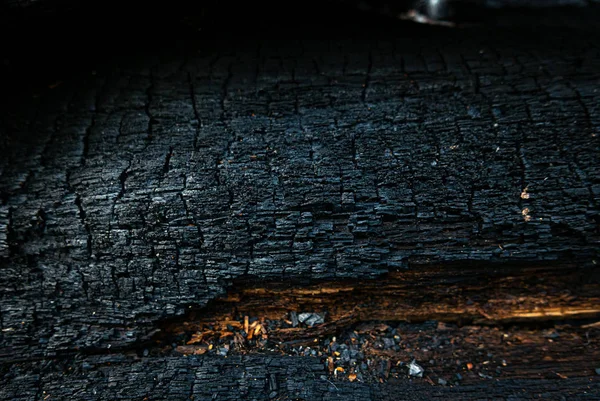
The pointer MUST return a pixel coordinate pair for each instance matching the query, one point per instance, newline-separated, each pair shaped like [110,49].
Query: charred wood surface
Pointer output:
[450,175]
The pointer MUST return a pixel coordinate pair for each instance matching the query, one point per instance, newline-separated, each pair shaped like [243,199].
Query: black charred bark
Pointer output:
[135,189]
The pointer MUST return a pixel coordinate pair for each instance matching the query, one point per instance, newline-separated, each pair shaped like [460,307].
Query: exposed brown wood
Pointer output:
[522,322]
[478,295]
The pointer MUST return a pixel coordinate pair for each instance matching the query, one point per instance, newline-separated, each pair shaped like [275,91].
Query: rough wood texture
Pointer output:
[131,192]
[260,378]
[141,194]
[481,296]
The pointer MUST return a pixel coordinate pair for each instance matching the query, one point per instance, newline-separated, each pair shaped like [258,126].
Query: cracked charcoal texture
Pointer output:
[260,378]
[147,190]
[129,194]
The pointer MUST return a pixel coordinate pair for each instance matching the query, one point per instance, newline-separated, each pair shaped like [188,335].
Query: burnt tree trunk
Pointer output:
[438,188]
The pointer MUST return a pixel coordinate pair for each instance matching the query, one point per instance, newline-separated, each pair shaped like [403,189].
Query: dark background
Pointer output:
[46,40]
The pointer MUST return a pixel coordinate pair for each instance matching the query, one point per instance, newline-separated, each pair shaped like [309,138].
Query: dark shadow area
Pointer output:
[50,40]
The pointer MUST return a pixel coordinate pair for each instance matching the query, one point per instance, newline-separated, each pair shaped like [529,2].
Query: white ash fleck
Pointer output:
[415,370]
[310,319]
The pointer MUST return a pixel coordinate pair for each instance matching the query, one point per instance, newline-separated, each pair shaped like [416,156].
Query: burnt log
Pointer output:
[437,185]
